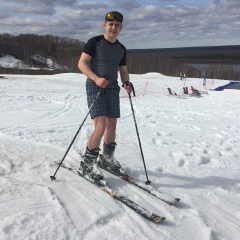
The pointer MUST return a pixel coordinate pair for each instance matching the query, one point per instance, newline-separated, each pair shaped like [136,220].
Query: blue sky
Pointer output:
[147,23]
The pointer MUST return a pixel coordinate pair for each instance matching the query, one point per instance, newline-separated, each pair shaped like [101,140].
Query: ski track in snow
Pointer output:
[190,145]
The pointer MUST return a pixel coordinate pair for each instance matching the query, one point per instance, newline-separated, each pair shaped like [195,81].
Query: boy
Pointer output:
[100,61]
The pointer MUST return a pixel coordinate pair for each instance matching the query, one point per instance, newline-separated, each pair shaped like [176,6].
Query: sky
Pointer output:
[146,24]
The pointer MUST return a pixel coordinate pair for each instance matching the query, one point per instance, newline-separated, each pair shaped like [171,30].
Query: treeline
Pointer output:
[62,50]
[172,61]
[143,62]
[219,71]
[66,52]
[207,58]
[140,63]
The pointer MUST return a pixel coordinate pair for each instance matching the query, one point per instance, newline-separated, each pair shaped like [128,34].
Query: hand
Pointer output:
[128,87]
[102,82]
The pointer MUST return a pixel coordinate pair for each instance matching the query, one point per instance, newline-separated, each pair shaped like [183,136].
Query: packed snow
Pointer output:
[190,145]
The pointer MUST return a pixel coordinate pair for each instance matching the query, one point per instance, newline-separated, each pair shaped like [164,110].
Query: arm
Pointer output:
[125,77]
[83,65]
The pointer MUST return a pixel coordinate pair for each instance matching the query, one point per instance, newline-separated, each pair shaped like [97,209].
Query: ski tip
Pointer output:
[158,219]
[174,202]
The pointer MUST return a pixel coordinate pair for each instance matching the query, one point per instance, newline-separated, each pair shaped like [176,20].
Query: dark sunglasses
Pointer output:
[114,16]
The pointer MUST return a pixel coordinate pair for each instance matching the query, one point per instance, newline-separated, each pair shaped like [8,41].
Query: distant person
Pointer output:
[181,76]
[195,91]
[184,77]
[185,90]
[100,61]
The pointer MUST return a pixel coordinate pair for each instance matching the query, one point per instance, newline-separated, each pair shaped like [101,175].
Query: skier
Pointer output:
[195,91]
[100,61]
[181,76]
[185,90]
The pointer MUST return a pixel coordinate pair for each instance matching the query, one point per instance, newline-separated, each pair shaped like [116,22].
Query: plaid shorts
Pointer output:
[107,103]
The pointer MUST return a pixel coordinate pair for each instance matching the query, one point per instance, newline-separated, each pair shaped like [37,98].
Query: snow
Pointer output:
[190,145]
[47,61]
[8,61]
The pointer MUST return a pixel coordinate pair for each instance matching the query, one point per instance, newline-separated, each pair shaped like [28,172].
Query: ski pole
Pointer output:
[53,177]
[130,99]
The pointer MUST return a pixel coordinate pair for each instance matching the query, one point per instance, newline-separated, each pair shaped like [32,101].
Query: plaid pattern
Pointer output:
[107,104]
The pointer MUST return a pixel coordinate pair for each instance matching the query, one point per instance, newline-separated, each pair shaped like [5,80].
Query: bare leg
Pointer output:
[110,132]
[95,139]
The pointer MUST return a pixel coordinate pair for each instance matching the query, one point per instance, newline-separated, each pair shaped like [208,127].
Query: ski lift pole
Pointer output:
[53,177]
[139,141]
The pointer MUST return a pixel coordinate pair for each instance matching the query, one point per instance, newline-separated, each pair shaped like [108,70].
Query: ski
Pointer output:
[129,203]
[160,195]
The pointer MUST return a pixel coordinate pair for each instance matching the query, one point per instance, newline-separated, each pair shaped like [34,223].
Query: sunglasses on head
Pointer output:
[114,16]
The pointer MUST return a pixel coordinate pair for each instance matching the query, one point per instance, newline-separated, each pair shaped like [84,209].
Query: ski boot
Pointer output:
[108,161]
[90,168]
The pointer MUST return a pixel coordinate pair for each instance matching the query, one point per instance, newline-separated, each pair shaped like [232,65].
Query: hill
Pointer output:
[37,51]
[29,48]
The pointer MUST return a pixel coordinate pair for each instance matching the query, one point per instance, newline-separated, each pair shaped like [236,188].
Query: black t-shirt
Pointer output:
[106,58]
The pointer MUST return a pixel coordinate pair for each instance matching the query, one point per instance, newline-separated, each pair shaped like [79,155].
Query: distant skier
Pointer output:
[185,90]
[195,92]
[181,76]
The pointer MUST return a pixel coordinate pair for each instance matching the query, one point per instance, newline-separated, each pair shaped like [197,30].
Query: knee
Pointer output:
[100,130]
[111,128]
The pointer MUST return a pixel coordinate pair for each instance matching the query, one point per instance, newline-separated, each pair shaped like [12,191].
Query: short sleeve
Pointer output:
[90,47]
[123,61]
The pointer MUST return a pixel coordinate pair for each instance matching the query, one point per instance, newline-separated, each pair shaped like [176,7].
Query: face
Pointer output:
[112,28]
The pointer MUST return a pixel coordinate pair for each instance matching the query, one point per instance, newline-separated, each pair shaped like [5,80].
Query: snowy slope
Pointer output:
[8,61]
[191,148]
